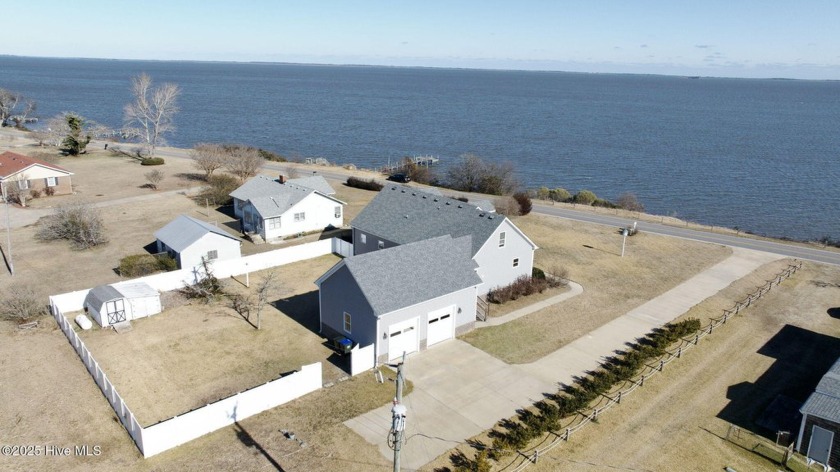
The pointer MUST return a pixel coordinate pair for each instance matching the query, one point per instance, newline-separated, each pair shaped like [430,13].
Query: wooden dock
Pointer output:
[416,160]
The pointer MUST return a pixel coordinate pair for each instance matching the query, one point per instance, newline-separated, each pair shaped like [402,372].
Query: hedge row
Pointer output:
[364,184]
[523,286]
[515,435]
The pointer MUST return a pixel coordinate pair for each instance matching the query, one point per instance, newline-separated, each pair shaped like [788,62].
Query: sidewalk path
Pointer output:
[575,289]
[460,391]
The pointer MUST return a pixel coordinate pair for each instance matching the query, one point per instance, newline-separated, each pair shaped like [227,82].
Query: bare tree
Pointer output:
[152,111]
[208,158]
[154,178]
[8,102]
[20,303]
[17,189]
[628,201]
[243,161]
[254,303]
[472,174]
[268,285]
[79,223]
[21,118]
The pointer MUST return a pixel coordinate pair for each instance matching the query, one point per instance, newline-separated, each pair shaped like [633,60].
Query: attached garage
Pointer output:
[112,304]
[402,338]
[441,325]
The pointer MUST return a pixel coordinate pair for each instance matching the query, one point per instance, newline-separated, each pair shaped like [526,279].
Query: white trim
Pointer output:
[515,228]
[347,319]
[424,301]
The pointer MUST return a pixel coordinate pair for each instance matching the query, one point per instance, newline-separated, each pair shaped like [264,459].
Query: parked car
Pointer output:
[401,178]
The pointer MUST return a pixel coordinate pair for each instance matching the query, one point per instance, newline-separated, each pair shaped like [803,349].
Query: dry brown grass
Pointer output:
[781,345]
[198,353]
[612,285]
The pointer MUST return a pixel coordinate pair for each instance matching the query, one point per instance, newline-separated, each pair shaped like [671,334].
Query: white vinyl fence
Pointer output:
[362,359]
[175,431]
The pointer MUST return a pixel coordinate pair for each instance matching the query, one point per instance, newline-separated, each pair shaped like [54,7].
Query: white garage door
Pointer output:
[441,325]
[402,337]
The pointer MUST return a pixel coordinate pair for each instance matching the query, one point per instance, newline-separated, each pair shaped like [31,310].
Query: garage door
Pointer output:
[441,325]
[402,337]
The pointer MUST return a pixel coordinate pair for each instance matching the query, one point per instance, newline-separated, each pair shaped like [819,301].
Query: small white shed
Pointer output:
[111,304]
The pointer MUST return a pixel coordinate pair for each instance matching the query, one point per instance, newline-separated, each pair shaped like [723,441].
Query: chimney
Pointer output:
[282,179]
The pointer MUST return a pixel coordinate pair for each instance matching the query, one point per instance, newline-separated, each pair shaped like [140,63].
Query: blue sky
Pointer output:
[734,38]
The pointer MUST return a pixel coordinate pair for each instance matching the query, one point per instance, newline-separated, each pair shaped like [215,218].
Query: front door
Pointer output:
[115,310]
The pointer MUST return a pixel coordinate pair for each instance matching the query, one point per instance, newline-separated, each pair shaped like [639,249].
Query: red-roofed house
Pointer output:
[26,173]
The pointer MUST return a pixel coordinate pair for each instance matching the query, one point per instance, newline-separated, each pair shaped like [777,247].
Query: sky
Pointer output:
[732,38]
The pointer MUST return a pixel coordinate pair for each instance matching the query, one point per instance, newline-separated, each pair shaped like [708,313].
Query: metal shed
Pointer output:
[111,304]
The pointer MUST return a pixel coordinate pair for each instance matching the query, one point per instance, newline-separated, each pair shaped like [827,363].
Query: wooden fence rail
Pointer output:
[607,401]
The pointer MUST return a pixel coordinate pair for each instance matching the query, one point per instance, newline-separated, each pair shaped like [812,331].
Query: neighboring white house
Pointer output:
[403,299]
[277,208]
[401,215]
[111,304]
[188,240]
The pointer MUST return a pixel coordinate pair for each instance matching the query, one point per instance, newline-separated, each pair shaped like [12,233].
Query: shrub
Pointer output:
[78,223]
[599,202]
[154,178]
[559,194]
[522,287]
[35,193]
[152,161]
[138,265]
[271,156]
[524,202]
[218,189]
[628,201]
[584,197]
[537,273]
[371,184]
[20,304]
[50,191]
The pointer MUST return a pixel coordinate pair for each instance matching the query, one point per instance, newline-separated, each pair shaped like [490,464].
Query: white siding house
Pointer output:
[275,209]
[188,240]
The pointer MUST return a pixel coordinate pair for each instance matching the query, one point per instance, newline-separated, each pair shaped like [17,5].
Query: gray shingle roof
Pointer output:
[264,186]
[184,230]
[412,273]
[825,401]
[97,296]
[316,182]
[404,215]
[279,201]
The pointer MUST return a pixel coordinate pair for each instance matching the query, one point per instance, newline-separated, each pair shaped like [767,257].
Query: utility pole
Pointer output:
[8,236]
[398,418]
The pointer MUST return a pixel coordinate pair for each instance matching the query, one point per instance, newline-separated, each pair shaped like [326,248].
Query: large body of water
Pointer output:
[761,155]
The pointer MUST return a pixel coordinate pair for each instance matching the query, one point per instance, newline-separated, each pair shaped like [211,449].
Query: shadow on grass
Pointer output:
[802,358]
[302,308]
[246,439]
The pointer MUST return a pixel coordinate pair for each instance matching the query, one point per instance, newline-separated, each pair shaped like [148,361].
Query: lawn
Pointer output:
[679,420]
[196,353]
[612,284]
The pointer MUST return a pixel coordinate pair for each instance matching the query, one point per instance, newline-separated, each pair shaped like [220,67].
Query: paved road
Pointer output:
[782,249]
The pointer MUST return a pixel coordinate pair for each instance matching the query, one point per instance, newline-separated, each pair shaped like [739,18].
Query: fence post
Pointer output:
[711,326]
[618,400]
[568,433]
[642,382]
[737,307]
[696,338]
[679,352]
[661,365]
[725,315]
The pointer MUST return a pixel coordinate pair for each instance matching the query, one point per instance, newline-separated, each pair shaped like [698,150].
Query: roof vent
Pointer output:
[435,199]
[489,217]
[447,203]
[406,216]
[424,197]
[460,206]
[413,194]
[481,215]
[403,190]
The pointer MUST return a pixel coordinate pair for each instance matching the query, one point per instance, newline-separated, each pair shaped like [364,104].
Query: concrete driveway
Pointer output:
[459,391]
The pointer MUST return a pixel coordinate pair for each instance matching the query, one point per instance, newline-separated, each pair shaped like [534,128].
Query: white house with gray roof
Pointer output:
[277,208]
[401,215]
[821,421]
[187,240]
[404,299]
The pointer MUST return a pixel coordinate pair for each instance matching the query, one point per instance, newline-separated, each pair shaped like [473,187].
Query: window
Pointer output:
[380,245]
[516,262]
[211,255]
[23,184]
[502,239]
[274,223]
[338,211]
[363,238]
[52,181]
[300,216]
[347,322]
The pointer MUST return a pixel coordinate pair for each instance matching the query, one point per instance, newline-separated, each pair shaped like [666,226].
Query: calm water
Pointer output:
[761,155]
